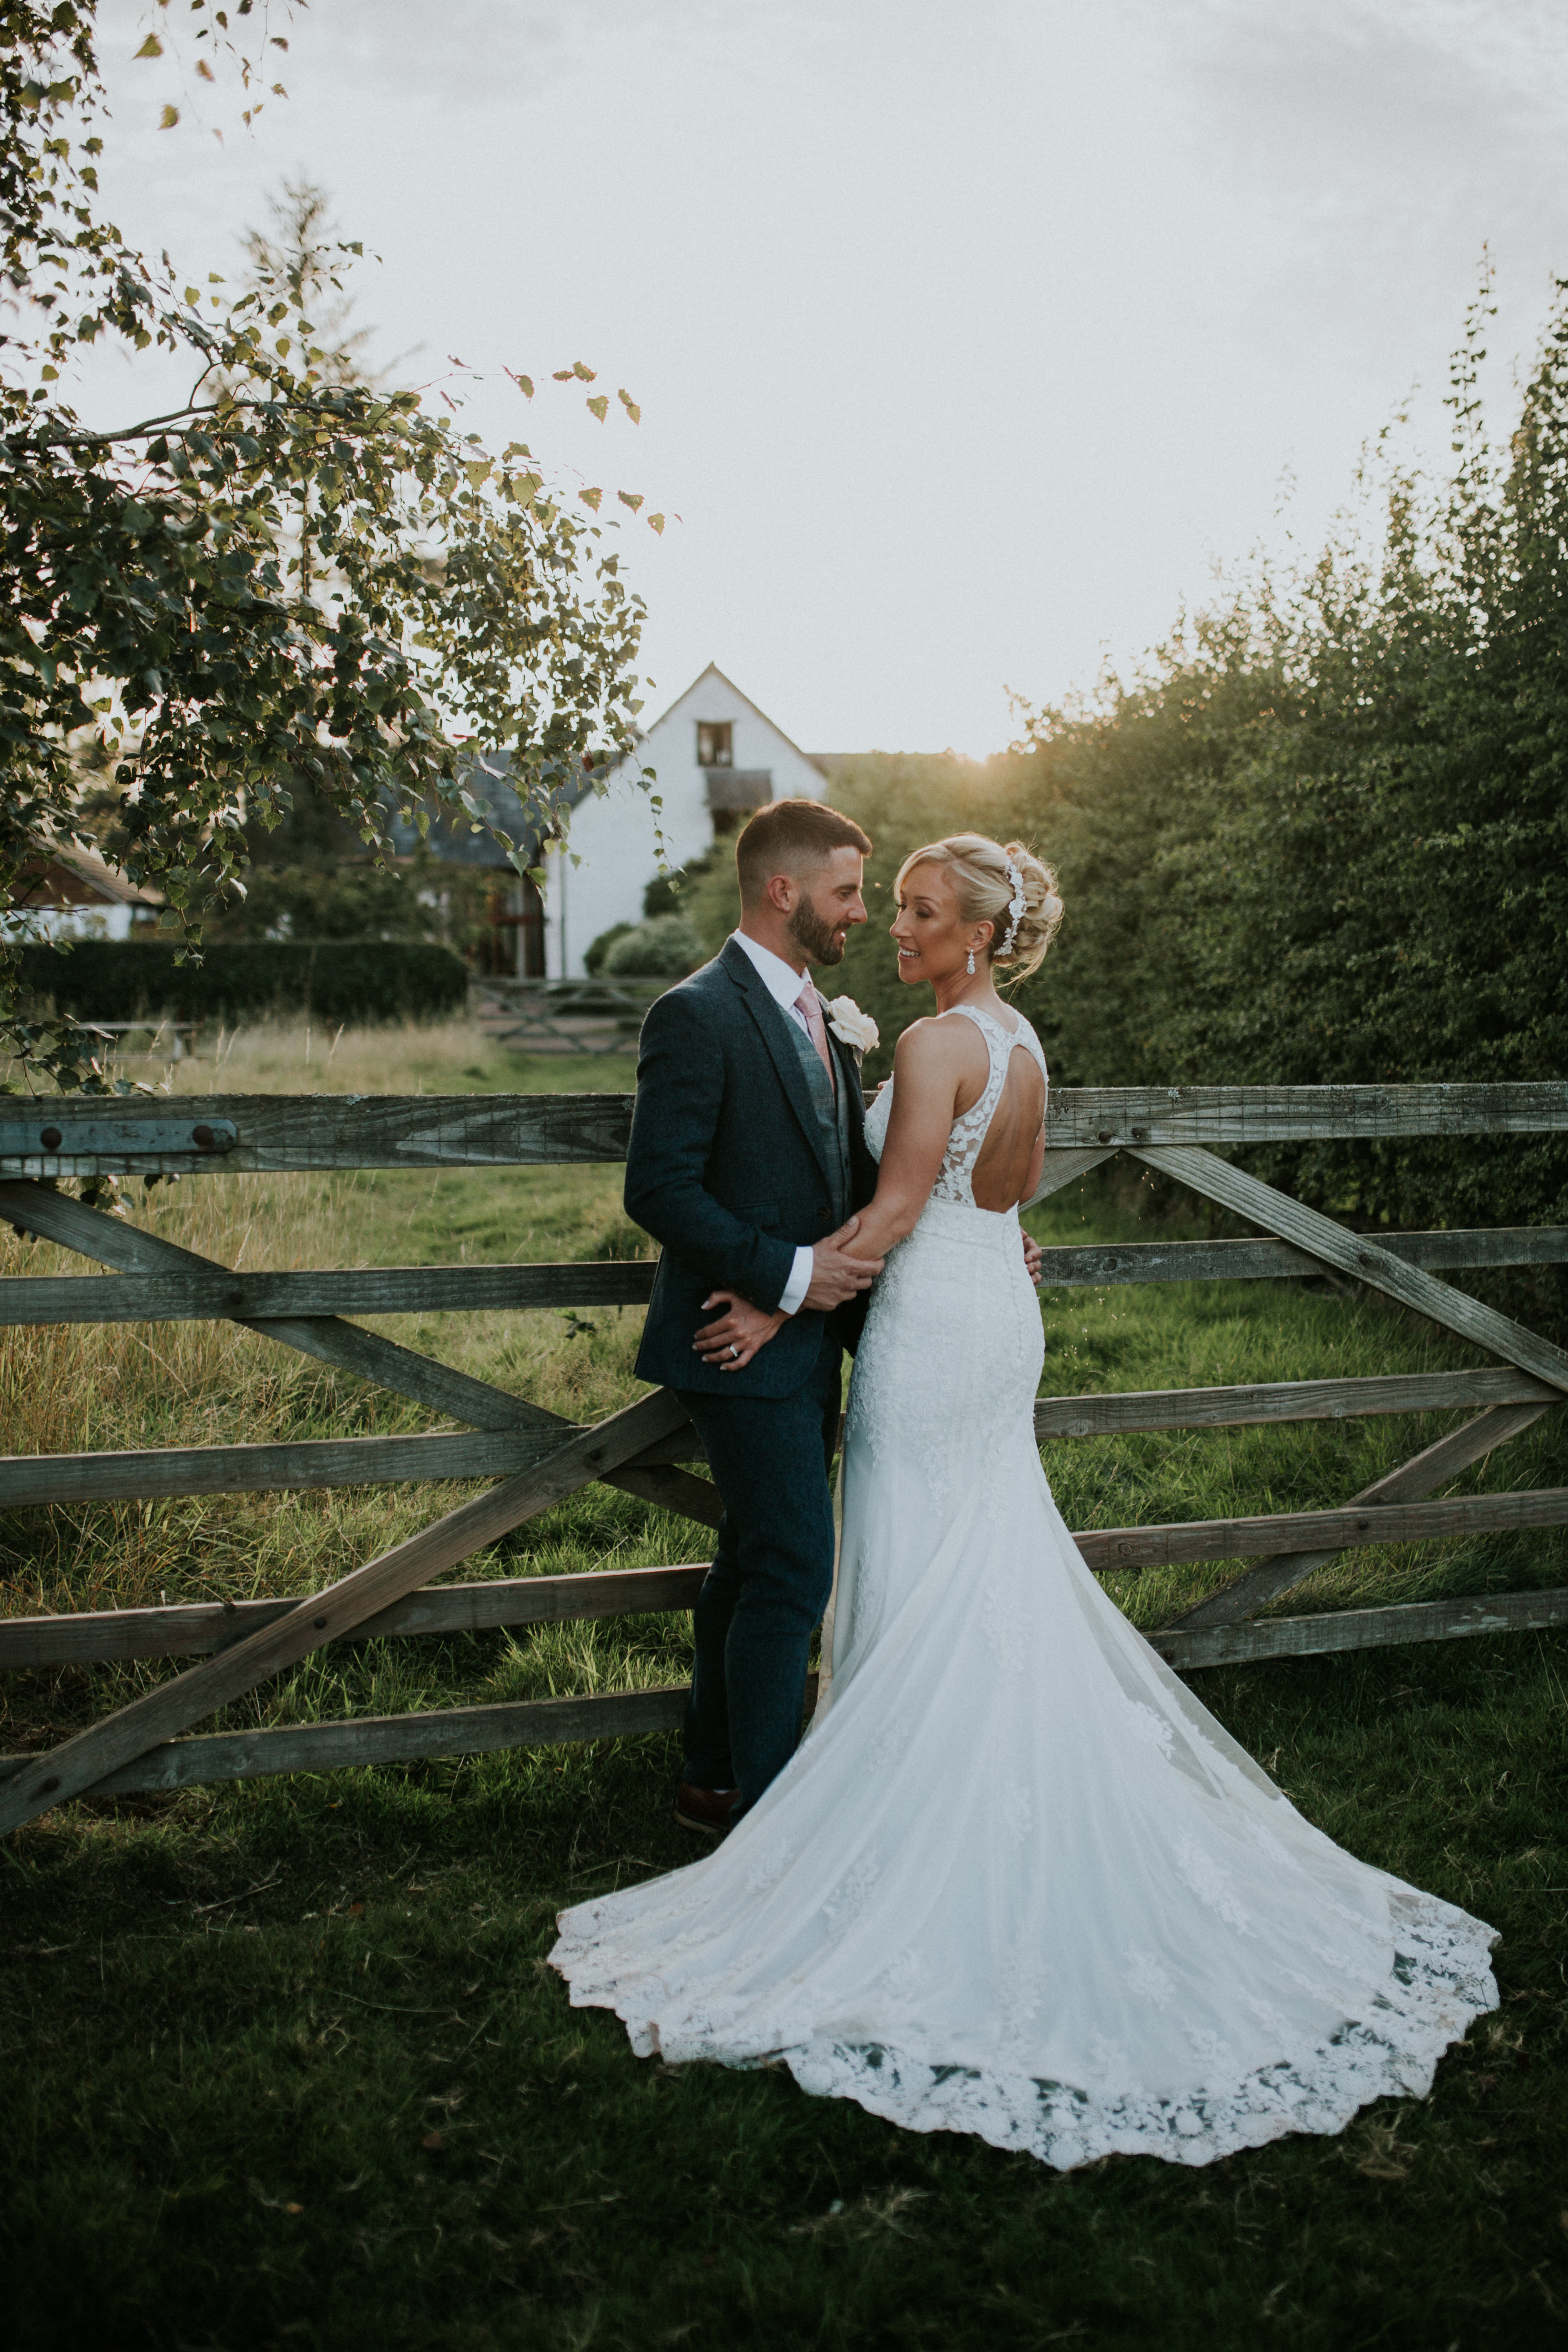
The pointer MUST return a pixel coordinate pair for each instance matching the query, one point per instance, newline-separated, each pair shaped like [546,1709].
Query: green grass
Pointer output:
[281,2065]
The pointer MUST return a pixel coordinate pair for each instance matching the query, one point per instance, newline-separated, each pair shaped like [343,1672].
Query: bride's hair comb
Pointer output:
[1016,905]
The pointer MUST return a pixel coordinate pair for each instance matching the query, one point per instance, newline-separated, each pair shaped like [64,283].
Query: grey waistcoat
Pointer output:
[832,1116]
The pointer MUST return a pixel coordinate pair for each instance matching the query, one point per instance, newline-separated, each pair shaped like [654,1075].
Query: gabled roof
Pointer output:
[64,873]
[713,671]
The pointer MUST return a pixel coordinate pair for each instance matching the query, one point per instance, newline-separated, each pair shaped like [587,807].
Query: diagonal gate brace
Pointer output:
[78,1764]
[1062,1164]
[54,1216]
[1414,1479]
[1359,1256]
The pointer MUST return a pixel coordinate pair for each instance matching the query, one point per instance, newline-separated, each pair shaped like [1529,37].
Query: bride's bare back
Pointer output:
[1009,1167]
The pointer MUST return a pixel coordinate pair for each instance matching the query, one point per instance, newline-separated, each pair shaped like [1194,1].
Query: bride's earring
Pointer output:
[970,966]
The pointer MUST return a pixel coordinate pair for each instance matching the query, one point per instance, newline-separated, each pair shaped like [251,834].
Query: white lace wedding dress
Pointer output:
[1017,1881]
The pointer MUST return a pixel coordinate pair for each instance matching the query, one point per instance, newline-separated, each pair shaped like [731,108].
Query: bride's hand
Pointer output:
[1033,1256]
[736,1338]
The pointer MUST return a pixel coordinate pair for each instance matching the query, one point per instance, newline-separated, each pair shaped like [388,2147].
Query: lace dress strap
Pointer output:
[1027,1038]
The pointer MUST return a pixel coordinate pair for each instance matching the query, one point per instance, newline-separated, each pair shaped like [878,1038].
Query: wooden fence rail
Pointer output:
[476,1289]
[312,1134]
[539,1458]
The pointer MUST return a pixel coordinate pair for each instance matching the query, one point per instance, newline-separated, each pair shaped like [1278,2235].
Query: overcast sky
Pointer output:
[969,334]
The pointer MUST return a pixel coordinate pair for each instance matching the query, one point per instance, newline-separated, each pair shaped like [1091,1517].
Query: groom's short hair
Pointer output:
[794,837]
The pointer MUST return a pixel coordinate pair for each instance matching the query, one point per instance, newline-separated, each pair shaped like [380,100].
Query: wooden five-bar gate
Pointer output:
[538,1459]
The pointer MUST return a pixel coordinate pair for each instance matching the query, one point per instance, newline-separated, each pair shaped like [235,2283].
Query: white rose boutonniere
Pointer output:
[852,1027]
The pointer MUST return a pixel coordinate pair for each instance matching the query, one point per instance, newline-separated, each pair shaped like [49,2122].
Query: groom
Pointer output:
[747,1162]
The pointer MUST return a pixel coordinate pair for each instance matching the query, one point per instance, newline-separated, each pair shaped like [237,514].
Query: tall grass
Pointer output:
[99,1388]
[278,2061]
[105,1386]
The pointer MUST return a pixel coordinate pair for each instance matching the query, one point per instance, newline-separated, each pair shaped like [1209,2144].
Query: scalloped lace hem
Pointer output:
[1317,2090]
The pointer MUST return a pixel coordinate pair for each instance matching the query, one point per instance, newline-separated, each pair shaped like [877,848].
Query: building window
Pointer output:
[713,746]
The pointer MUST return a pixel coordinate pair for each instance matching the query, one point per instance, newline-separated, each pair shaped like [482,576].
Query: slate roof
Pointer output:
[452,838]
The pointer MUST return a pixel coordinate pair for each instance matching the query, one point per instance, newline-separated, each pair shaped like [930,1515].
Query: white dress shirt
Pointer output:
[784,984]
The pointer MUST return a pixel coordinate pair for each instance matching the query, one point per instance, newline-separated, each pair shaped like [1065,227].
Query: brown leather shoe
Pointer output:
[706,1811]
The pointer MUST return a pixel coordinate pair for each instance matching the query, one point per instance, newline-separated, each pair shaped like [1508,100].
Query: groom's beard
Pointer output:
[819,940]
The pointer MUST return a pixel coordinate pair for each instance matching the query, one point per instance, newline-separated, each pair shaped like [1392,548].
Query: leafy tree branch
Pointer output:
[298,578]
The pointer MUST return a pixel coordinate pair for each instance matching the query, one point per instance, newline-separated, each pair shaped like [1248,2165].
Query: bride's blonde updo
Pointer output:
[985,891]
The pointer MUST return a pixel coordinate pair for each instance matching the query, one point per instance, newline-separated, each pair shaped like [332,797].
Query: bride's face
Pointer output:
[932,940]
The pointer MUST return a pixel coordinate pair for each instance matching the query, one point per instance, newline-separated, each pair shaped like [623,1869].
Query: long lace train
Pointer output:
[1017,1881]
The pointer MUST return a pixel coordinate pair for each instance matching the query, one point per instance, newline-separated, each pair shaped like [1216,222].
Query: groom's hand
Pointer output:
[836,1273]
[739,1331]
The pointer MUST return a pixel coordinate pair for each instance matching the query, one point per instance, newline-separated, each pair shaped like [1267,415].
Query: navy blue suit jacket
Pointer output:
[726,1170]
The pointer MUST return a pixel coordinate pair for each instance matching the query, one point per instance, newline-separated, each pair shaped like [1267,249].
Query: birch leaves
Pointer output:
[598,404]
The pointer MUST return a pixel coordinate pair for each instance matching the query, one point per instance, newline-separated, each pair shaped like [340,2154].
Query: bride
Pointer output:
[1017,1881]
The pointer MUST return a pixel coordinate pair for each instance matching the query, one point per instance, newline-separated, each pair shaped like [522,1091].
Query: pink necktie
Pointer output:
[809,1003]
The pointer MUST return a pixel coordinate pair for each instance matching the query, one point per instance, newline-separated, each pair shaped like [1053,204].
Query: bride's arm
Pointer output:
[930,1066]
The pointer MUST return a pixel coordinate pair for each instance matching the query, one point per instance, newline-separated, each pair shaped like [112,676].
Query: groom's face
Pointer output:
[829,903]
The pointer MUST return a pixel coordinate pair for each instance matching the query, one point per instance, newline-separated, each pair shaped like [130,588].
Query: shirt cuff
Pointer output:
[799,1281]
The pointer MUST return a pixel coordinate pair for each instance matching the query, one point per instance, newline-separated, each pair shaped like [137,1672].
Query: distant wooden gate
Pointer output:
[565,1016]
[541,1459]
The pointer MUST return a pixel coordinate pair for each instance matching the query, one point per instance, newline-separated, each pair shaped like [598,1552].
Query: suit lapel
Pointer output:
[774,1029]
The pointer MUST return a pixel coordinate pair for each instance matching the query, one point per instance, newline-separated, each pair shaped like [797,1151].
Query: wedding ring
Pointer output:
[733,1349]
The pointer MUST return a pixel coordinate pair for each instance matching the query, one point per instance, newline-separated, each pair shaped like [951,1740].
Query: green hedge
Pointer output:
[332,980]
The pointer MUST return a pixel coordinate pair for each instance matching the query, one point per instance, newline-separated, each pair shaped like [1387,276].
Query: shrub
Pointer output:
[669,894]
[668,949]
[334,980]
[593,957]
[418,898]
[1320,839]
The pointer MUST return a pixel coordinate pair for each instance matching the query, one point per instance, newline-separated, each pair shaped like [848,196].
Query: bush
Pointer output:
[669,894]
[418,898]
[334,980]
[593,957]
[1321,839]
[666,949]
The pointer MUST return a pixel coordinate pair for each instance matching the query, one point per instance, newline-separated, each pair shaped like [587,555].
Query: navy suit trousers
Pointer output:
[763,1597]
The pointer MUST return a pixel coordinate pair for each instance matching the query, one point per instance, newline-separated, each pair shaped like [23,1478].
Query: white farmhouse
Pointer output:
[65,892]
[716,758]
